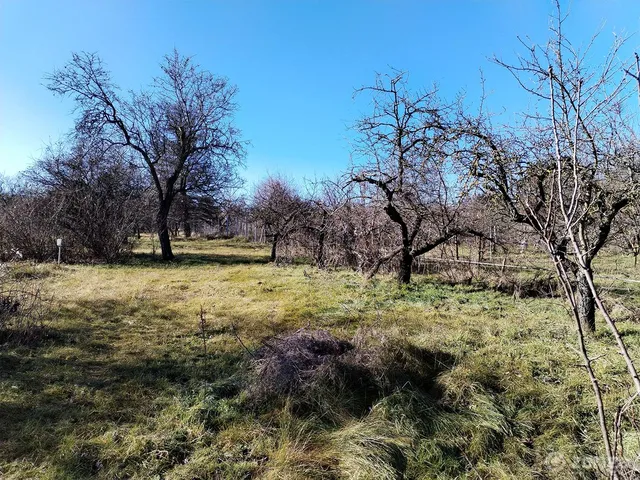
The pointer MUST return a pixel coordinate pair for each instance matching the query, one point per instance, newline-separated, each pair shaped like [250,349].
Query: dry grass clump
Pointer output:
[532,286]
[354,391]
[287,365]
[373,448]
[382,408]
[318,373]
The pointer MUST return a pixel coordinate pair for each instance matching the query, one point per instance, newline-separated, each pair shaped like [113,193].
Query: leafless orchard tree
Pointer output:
[320,226]
[408,151]
[582,148]
[214,186]
[341,229]
[181,127]
[568,173]
[628,231]
[278,207]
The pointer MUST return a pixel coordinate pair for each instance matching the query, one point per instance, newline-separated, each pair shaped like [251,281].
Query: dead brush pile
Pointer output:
[23,311]
[316,372]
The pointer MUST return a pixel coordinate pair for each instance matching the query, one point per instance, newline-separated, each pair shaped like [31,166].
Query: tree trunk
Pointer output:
[274,248]
[320,256]
[406,262]
[186,216]
[586,304]
[163,231]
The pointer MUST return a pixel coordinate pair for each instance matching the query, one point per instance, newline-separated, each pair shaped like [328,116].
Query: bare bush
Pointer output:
[27,223]
[627,234]
[23,311]
[98,196]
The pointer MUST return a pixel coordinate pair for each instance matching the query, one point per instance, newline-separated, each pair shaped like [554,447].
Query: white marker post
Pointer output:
[59,244]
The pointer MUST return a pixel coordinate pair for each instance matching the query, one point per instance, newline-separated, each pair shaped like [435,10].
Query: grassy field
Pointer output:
[121,386]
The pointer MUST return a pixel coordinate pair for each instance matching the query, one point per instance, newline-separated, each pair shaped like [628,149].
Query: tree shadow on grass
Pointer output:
[365,392]
[79,385]
[76,384]
[192,259]
[75,401]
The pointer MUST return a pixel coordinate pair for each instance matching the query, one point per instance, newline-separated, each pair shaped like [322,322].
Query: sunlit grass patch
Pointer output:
[122,387]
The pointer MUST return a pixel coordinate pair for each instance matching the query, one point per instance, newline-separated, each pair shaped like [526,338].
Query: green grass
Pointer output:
[121,387]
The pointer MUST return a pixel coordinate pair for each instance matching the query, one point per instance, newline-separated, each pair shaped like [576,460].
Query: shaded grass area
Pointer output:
[121,387]
[197,252]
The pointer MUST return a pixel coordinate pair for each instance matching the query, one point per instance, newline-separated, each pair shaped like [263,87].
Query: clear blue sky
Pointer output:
[296,63]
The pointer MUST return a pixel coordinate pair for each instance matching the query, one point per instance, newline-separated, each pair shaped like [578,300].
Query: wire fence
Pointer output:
[504,266]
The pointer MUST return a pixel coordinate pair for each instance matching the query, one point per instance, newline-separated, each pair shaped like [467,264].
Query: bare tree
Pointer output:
[278,207]
[181,127]
[567,174]
[628,231]
[578,159]
[408,148]
[324,198]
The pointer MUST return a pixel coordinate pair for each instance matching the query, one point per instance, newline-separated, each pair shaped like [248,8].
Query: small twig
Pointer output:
[203,330]
[235,334]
